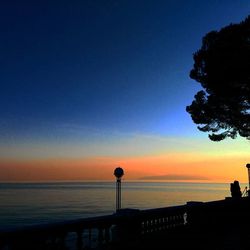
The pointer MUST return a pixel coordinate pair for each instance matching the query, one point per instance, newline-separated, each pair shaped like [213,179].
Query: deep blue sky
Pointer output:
[77,69]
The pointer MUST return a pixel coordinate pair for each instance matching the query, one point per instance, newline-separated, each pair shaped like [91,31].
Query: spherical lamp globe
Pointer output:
[118,172]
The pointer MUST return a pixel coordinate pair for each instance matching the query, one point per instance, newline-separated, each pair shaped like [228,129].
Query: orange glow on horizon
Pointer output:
[204,167]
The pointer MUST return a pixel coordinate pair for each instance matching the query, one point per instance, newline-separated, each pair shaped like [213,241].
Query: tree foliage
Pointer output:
[222,67]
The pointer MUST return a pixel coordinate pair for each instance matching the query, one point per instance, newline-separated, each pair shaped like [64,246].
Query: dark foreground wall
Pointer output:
[196,225]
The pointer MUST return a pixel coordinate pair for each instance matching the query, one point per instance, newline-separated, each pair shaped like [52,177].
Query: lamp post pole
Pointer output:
[118,174]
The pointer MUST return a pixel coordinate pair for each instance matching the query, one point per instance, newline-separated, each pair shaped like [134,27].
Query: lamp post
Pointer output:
[118,174]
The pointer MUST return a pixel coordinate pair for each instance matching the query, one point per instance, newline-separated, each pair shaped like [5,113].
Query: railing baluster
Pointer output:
[100,236]
[107,234]
[90,238]
[79,242]
[62,240]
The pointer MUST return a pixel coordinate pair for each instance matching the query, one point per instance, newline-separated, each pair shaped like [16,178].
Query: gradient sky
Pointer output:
[86,86]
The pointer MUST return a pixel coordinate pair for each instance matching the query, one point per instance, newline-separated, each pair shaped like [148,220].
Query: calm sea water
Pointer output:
[36,203]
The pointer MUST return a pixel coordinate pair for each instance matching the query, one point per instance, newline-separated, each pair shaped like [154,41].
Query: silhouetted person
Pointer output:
[235,189]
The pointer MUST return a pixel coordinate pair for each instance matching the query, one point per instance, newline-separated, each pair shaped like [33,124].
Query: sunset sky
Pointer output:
[86,86]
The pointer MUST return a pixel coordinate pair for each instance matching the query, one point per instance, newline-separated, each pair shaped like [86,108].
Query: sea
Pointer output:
[25,204]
